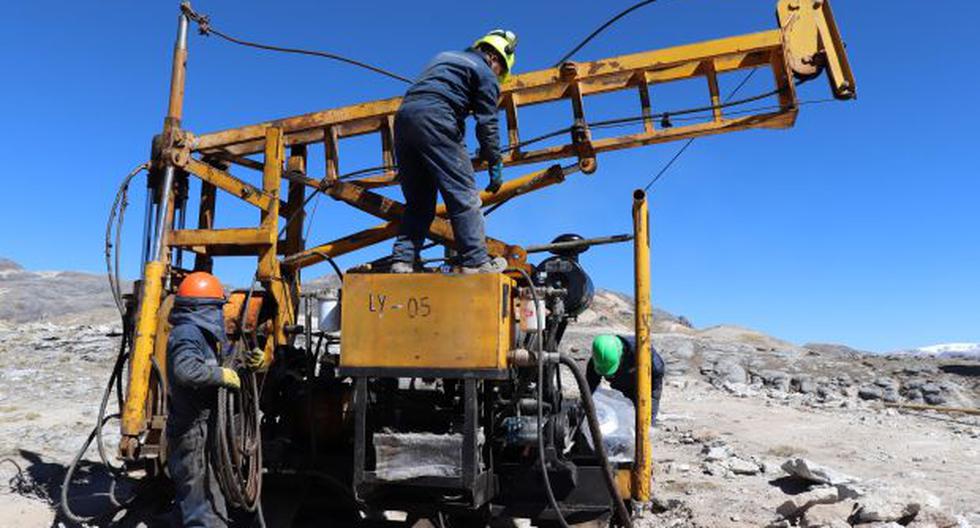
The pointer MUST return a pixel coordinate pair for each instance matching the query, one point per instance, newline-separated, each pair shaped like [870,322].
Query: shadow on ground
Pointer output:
[89,494]
[791,485]
[967,370]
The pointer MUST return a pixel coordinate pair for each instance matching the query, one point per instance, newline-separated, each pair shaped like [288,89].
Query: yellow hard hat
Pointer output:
[505,43]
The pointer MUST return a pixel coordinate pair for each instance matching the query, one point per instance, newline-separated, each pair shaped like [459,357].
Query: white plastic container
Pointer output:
[532,314]
[328,310]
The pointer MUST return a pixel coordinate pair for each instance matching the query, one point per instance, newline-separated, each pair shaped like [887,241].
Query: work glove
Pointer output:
[496,172]
[255,359]
[229,379]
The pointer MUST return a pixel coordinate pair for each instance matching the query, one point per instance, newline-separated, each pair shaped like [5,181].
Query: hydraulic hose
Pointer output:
[589,406]
[118,208]
[115,379]
[546,479]
[237,444]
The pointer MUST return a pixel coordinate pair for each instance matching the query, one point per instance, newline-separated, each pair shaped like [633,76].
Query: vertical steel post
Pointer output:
[134,410]
[643,462]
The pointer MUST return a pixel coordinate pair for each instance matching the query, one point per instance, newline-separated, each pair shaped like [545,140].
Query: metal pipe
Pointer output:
[575,244]
[147,228]
[175,109]
[643,463]
[166,187]
[133,421]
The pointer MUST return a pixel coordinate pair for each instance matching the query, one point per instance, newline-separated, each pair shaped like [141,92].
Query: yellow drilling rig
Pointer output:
[389,365]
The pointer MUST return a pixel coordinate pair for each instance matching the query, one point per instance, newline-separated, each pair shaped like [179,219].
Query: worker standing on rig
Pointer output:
[194,349]
[431,152]
[614,358]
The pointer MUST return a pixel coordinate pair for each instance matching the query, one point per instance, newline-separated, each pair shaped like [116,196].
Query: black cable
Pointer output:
[115,379]
[236,447]
[332,262]
[596,433]
[205,28]
[688,143]
[324,184]
[602,28]
[549,492]
[625,120]
[118,208]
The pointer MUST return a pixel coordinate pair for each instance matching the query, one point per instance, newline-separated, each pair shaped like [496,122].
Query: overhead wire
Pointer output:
[206,28]
[602,28]
[680,152]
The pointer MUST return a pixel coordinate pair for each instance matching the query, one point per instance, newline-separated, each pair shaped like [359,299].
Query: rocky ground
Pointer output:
[753,431]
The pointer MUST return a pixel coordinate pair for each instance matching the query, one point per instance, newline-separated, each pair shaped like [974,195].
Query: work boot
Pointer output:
[402,267]
[494,265]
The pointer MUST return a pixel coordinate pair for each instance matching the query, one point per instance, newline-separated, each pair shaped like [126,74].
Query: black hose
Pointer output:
[600,449]
[548,490]
[66,483]
[115,379]
[118,207]
[236,444]
[333,264]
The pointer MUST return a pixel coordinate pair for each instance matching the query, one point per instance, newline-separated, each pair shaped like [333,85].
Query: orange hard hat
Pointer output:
[201,284]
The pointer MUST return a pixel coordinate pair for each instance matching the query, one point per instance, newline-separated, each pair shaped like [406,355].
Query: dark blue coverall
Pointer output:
[194,376]
[431,153]
[624,380]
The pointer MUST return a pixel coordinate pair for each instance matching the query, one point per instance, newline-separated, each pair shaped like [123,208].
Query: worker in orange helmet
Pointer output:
[195,351]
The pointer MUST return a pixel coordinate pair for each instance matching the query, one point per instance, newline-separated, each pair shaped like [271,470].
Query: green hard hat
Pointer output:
[607,350]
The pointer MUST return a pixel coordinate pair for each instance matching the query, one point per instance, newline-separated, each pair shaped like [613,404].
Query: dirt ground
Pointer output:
[934,452]
[938,453]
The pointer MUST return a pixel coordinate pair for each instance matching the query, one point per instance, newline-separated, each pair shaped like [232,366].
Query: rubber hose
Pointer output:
[589,406]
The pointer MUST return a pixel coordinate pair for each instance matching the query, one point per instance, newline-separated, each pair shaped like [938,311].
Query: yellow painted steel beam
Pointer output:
[342,246]
[134,409]
[510,189]
[643,463]
[440,230]
[230,184]
[526,89]
[224,237]
[268,269]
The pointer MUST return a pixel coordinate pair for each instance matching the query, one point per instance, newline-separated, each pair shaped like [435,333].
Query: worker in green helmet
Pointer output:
[430,131]
[614,358]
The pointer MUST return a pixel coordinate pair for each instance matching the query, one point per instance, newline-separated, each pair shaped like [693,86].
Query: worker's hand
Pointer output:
[255,359]
[496,177]
[229,379]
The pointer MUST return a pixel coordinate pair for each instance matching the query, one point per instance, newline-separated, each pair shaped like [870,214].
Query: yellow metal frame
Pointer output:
[806,42]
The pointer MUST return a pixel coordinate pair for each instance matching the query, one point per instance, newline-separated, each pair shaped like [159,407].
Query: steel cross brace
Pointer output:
[441,230]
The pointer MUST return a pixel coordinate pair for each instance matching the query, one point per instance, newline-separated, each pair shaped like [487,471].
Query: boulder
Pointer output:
[930,517]
[870,392]
[726,370]
[886,383]
[740,466]
[890,395]
[716,453]
[807,470]
[828,515]
[795,506]
[716,469]
[883,503]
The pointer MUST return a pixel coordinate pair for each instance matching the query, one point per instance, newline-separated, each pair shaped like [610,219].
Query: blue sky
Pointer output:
[857,226]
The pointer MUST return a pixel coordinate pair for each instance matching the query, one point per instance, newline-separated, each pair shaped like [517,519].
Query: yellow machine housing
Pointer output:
[427,322]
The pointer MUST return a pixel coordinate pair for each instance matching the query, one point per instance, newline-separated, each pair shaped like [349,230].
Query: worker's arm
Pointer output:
[592,377]
[486,94]
[190,365]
